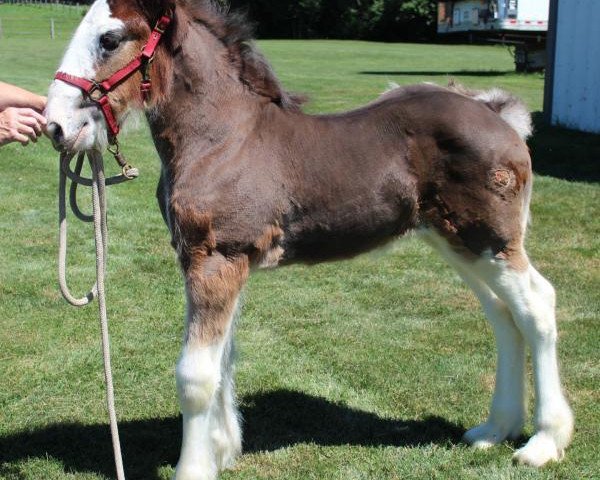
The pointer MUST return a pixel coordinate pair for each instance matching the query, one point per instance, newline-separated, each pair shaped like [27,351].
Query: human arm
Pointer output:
[11,96]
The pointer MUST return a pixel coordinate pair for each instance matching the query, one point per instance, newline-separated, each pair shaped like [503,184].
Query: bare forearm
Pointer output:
[11,96]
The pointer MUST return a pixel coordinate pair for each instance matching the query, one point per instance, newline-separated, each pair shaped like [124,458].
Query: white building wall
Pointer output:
[576,99]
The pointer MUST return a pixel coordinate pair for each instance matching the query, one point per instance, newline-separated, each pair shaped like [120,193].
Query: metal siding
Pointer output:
[576,101]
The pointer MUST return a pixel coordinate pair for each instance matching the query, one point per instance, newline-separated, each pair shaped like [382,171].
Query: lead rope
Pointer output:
[98,217]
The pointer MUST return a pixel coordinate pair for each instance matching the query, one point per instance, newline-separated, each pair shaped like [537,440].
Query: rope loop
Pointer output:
[98,182]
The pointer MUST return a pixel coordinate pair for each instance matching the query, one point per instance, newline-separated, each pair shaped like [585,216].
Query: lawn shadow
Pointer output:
[437,73]
[272,420]
[565,154]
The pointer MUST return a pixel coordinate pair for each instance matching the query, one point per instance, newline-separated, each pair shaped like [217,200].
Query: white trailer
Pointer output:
[521,23]
[493,15]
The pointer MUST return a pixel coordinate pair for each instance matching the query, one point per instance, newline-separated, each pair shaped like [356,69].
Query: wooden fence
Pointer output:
[22,27]
[56,3]
[39,19]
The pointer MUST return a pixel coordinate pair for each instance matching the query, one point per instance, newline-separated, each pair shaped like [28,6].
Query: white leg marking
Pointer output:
[507,412]
[225,427]
[525,300]
[198,374]
[531,299]
[211,431]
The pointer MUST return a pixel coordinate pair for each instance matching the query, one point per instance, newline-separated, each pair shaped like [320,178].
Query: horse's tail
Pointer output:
[511,108]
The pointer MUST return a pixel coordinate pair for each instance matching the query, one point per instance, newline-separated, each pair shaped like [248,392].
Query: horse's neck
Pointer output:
[208,105]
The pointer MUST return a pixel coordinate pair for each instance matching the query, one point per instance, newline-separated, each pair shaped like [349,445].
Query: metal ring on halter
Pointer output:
[132,173]
[97,88]
[114,148]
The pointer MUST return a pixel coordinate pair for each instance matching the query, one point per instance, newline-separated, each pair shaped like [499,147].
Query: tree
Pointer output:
[407,20]
[361,19]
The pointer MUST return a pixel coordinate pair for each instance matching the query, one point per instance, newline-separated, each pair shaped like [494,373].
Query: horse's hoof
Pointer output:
[538,451]
[488,434]
[194,472]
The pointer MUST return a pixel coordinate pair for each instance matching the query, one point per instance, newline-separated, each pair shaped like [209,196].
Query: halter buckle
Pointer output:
[96,92]
[164,22]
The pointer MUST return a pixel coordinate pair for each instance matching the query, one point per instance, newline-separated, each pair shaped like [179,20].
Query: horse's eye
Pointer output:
[109,41]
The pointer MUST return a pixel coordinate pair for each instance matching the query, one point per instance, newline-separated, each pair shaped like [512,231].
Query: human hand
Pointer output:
[20,125]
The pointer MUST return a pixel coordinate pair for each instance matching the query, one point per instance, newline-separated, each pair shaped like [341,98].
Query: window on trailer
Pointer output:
[456,16]
[513,6]
[466,16]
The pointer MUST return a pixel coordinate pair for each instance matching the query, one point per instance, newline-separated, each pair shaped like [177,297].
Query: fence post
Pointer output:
[52,28]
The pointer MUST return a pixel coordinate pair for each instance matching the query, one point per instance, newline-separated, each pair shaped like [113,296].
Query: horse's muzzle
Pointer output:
[55,133]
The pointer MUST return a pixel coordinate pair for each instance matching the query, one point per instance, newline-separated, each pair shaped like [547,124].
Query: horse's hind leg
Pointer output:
[531,300]
[507,411]
[211,432]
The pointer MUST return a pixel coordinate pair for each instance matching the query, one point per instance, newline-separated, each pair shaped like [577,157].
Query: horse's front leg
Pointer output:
[211,432]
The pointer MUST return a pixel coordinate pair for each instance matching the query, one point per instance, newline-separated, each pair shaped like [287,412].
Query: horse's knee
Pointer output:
[213,285]
[197,380]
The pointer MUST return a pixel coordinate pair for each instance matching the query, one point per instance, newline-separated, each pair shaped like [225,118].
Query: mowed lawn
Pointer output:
[371,368]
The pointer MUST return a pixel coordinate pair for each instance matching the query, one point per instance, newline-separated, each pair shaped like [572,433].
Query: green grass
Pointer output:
[32,22]
[364,369]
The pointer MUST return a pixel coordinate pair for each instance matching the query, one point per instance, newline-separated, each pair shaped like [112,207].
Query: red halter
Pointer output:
[98,91]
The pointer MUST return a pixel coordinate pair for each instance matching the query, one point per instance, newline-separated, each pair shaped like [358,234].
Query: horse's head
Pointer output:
[111,35]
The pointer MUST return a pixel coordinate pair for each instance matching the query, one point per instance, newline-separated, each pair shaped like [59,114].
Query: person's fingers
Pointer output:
[31,122]
[22,139]
[28,132]
[40,118]
[29,112]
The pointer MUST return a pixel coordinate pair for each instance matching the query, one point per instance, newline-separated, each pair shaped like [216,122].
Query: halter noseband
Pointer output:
[98,91]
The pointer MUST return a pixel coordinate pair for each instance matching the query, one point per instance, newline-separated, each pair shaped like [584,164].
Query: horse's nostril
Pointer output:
[55,132]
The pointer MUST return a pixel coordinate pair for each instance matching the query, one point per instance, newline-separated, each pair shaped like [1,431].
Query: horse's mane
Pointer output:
[236,32]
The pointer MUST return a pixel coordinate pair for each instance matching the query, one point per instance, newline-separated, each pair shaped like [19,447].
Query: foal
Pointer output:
[248,180]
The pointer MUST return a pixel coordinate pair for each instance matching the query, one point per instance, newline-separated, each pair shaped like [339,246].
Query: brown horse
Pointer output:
[249,180]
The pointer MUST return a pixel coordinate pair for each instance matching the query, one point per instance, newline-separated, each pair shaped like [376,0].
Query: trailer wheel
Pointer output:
[520,55]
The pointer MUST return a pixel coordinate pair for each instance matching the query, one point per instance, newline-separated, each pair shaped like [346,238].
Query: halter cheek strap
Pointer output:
[98,91]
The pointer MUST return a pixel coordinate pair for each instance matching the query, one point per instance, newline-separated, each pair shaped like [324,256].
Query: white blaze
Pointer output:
[83,51]
[83,128]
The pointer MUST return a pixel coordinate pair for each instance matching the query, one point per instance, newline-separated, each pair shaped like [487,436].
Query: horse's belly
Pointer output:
[346,231]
